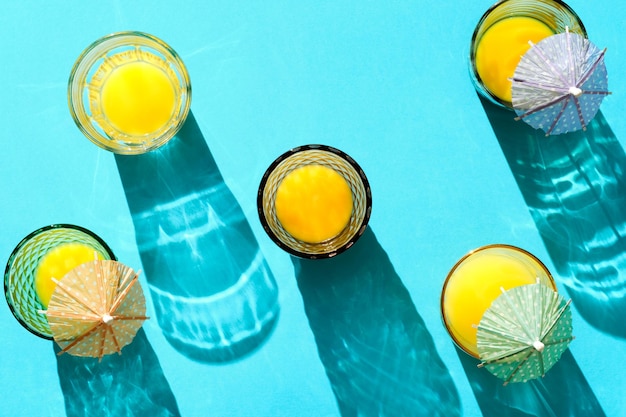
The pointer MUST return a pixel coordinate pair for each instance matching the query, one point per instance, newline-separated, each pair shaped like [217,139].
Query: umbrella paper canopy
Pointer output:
[96,309]
[559,83]
[524,332]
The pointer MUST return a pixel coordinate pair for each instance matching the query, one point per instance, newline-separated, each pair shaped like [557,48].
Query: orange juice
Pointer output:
[58,262]
[136,91]
[477,280]
[500,49]
[313,203]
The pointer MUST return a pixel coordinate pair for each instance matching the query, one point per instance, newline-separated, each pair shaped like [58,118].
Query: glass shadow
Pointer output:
[575,188]
[131,384]
[563,392]
[214,295]
[377,352]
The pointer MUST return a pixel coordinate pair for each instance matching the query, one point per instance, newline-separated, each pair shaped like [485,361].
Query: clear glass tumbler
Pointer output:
[129,92]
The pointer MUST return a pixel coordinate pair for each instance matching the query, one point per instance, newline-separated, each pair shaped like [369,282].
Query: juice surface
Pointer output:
[137,94]
[476,283]
[313,203]
[500,49]
[58,262]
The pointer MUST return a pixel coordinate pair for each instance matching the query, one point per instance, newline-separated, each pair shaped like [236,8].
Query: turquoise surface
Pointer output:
[358,335]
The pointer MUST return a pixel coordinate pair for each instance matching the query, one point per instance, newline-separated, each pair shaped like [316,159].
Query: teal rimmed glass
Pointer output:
[21,268]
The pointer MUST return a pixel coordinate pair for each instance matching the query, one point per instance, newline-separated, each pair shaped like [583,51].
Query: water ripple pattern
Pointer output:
[129,385]
[214,295]
[378,355]
[575,188]
[562,392]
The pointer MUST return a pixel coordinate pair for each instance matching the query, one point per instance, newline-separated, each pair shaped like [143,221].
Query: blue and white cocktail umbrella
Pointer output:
[559,83]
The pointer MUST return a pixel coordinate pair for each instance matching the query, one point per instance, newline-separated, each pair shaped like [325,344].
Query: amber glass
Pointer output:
[525,261]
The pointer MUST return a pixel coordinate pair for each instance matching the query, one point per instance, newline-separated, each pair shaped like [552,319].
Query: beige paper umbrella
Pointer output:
[96,309]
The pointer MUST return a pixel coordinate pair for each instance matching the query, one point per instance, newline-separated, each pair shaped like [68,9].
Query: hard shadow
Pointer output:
[214,295]
[563,392]
[131,384]
[575,188]
[378,355]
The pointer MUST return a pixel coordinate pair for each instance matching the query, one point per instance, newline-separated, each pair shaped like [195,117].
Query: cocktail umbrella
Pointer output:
[524,332]
[96,309]
[559,83]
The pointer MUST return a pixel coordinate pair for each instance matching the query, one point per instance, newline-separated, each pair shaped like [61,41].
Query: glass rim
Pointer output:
[364,181]
[483,91]
[463,259]
[141,147]
[23,242]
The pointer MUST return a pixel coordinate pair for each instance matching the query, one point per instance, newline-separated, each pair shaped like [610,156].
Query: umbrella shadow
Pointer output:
[563,392]
[377,352]
[575,188]
[131,384]
[214,295]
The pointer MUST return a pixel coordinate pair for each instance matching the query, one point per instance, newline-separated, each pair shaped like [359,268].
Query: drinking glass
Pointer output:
[477,279]
[155,95]
[339,162]
[554,14]
[21,268]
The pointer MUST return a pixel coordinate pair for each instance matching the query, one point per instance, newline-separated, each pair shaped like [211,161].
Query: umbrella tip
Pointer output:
[575,91]
[539,346]
[106,318]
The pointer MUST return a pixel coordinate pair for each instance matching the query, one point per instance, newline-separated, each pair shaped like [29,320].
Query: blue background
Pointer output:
[386,82]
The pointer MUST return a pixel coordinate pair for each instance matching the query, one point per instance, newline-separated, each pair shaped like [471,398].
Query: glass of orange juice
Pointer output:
[129,92]
[477,279]
[47,253]
[502,36]
[314,201]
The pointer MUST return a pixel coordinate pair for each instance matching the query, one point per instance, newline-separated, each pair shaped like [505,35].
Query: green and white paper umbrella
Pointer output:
[524,332]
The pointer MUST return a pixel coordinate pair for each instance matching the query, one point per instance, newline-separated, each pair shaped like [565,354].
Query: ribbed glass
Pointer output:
[19,275]
[331,158]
